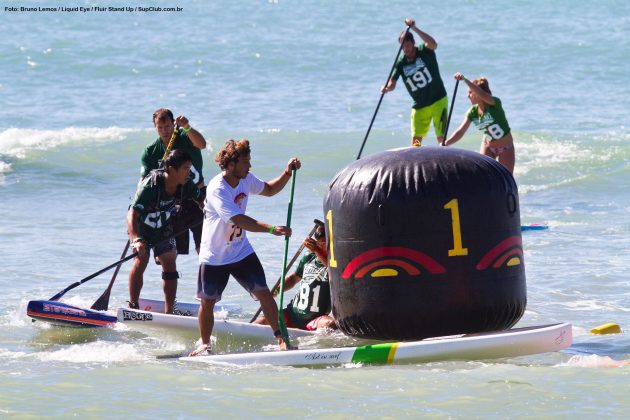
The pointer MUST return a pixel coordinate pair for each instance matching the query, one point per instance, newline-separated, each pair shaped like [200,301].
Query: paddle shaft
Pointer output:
[450,112]
[275,286]
[122,260]
[283,326]
[389,75]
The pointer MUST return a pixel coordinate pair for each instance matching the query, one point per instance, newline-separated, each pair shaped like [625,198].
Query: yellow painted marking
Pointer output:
[392,353]
[458,250]
[384,272]
[513,261]
[332,261]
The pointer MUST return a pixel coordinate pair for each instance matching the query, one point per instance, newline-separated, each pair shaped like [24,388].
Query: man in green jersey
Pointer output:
[421,74]
[309,308]
[149,223]
[190,140]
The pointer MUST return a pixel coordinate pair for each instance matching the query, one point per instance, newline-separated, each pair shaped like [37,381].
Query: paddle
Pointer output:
[283,326]
[297,254]
[389,75]
[450,112]
[102,302]
[122,260]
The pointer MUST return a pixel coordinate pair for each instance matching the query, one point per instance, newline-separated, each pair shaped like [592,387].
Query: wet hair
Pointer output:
[163,114]
[231,151]
[406,36]
[177,158]
[482,82]
[320,231]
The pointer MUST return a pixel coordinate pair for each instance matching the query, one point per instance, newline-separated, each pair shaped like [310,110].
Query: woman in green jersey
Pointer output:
[488,115]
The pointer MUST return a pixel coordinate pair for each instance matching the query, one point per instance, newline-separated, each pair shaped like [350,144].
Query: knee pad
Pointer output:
[170,275]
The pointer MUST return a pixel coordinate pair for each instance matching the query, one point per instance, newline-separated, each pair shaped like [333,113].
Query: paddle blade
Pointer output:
[102,303]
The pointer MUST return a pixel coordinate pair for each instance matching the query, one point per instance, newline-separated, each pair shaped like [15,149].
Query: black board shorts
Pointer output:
[248,272]
[187,215]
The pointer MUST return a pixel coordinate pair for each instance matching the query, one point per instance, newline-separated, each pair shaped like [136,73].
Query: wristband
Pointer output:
[277,334]
[186,130]
[138,239]
[271,229]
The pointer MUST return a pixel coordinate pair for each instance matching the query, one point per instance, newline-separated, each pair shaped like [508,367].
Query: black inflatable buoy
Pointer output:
[424,242]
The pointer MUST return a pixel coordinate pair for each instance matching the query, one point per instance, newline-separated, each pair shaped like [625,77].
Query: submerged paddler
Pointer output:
[192,141]
[149,221]
[225,249]
[311,306]
[421,75]
[487,114]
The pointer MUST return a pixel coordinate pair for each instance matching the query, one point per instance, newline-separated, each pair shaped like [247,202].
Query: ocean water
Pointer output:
[77,91]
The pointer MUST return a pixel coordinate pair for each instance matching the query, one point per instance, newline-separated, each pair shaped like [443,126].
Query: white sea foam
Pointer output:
[15,142]
[99,351]
[595,361]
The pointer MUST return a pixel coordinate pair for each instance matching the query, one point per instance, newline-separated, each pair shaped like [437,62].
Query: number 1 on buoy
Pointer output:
[457,250]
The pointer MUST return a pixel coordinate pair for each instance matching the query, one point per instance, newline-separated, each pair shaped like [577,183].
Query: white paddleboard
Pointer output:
[140,320]
[186,309]
[509,343]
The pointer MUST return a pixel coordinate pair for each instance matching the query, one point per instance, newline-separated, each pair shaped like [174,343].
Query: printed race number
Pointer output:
[420,79]
[495,131]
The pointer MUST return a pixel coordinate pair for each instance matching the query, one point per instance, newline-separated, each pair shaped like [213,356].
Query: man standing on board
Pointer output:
[190,140]
[421,74]
[225,249]
[149,223]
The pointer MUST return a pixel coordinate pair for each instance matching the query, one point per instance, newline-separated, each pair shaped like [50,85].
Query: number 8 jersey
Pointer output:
[421,76]
[493,122]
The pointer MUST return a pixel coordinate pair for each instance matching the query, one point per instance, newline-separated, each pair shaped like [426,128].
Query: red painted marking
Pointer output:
[69,318]
[494,253]
[393,251]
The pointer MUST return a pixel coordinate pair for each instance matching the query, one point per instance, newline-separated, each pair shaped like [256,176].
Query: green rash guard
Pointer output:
[493,122]
[155,217]
[153,154]
[421,76]
[313,299]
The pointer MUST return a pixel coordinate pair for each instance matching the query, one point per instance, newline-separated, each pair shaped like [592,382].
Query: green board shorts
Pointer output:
[421,118]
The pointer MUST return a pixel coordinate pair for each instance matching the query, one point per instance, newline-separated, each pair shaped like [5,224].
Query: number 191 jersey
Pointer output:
[421,76]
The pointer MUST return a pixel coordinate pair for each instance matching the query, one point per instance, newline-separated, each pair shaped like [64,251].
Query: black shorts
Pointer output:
[248,272]
[188,214]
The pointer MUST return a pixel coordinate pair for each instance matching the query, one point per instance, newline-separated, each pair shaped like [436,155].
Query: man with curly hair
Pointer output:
[225,249]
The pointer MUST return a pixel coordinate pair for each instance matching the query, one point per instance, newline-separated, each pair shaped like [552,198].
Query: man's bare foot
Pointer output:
[202,350]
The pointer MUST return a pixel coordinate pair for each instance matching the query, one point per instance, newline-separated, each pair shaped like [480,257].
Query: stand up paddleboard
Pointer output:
[534,226]
[509,343]
[59,313]
[141,320]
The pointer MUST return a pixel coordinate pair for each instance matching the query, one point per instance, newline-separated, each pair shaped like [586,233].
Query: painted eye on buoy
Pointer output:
[508,252]
[388,261]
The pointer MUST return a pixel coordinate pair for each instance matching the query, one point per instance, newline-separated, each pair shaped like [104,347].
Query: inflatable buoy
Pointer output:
[424,242]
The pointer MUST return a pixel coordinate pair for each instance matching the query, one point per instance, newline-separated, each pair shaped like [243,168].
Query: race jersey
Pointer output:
[156,206]
[421,76]
[493,122]
[222,242]
[313,298]
[153,154]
